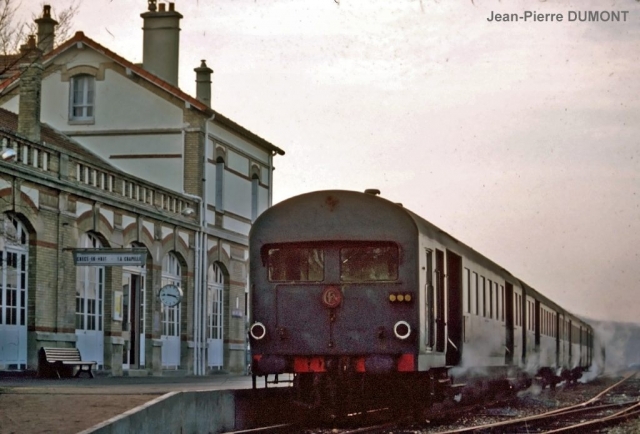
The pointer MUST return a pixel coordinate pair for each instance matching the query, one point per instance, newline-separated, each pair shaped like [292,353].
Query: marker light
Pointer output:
[258,331]
[401,297]
[402,330]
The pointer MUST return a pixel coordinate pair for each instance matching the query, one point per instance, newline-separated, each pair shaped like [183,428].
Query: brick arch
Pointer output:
[218,255]
[84,222]
[26,207]
[104,226]
[130,235]
[168,246]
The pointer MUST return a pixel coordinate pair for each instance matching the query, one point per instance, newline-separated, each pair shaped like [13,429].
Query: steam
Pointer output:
[616,347]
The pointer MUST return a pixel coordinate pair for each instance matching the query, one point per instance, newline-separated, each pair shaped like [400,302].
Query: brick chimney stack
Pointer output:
[161,41]
[203,83]
[30,91]
[46,26]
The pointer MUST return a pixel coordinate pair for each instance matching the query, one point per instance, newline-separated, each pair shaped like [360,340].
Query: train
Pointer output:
[355,295]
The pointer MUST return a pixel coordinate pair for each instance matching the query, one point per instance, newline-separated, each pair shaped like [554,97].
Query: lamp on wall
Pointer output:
[8,154]
[188,212]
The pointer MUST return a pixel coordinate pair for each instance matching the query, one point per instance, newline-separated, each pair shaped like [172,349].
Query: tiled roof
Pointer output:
[80,37]
[9,123]
[9,64]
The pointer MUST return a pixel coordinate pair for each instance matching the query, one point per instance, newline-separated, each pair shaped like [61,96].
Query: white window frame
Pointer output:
[171,275]
[90,287]
[82,109]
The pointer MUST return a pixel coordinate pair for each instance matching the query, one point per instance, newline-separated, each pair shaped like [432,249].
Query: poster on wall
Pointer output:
[117,305]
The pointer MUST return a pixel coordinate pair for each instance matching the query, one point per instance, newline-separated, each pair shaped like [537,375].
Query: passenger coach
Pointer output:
[351,291]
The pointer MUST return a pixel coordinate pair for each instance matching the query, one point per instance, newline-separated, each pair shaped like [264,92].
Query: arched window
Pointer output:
[255,186]
[14,259]
[81,99]
[215,288]
[171,275]
[89,290]
[90,281]
[219,184]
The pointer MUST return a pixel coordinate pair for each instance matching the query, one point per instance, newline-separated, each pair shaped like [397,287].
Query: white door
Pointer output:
[13,294]
[90,307]
[215,287]
[171,275]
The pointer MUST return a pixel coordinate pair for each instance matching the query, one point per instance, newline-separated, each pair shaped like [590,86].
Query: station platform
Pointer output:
[134,385]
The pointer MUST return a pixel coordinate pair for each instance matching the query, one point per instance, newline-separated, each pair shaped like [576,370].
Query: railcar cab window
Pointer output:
[369,263]
[297,264]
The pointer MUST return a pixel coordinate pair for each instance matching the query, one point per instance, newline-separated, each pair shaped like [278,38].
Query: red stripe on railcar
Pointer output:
[308,364]
[406,363]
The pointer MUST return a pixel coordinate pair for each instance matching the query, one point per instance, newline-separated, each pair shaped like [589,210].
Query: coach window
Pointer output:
[474,289]
[297,264]
[81,107]
[502,303]
[483,294]
[467,288]
[367,263]
[490,285]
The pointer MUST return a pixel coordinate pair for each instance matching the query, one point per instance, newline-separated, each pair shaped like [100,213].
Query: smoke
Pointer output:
[616,347]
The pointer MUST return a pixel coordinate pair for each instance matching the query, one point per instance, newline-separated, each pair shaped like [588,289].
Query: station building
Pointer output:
[102,153]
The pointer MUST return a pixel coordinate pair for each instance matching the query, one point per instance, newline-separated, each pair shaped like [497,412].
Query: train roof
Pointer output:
[447,239]
[291,215]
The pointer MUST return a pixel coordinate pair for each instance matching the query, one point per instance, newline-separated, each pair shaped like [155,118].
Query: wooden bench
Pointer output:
[62,360]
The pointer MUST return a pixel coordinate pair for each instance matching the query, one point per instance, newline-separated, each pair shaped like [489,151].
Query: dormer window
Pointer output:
[82,98]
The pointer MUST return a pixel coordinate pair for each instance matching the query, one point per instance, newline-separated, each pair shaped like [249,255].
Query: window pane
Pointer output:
[368,263]
[296,264]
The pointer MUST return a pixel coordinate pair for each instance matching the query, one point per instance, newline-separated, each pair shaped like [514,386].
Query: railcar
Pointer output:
[354,294]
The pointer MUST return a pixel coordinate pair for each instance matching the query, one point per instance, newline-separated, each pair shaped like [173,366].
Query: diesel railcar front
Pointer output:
[353,294]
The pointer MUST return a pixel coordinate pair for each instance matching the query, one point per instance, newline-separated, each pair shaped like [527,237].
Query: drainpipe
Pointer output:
[204,259]
[200,293]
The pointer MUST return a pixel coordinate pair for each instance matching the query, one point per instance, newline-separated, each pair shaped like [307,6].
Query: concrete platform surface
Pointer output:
[129,385]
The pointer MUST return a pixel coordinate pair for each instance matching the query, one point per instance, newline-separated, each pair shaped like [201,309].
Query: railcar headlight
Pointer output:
[400,297]
[258,331]
[402,330]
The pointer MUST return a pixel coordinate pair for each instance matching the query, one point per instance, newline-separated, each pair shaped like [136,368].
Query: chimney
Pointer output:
[203,83]
[46,26]
[30,89]
[161,41]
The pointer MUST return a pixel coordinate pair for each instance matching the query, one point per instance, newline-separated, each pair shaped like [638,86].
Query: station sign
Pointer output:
[110,257]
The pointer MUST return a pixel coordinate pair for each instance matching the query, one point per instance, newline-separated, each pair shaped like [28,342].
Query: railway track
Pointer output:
[609,407]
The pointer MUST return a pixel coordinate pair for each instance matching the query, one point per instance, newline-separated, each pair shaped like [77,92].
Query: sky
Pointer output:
[521,139]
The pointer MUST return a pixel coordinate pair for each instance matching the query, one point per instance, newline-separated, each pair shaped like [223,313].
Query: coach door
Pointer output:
[454,311]
[508,303]
[440,319]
